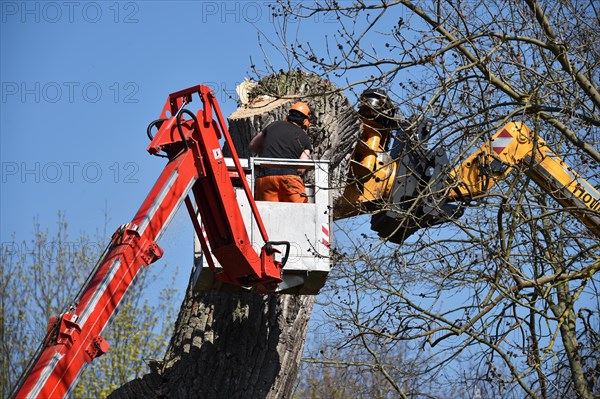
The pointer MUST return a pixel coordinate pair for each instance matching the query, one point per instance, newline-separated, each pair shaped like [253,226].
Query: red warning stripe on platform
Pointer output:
[325,235]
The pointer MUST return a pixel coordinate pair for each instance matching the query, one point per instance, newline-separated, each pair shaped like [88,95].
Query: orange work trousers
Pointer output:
[285,188]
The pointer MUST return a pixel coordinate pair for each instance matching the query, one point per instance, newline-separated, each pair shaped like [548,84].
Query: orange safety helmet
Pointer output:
[302,108]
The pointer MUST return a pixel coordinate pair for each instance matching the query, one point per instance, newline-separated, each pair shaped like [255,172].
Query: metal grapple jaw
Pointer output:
[376,106]
[419,192]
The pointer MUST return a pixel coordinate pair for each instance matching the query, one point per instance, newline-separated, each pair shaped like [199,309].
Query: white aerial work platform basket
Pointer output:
[305,226]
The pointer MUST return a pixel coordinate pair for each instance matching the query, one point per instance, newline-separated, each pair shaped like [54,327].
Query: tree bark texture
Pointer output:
[335,125]
[226,345]
[247,345]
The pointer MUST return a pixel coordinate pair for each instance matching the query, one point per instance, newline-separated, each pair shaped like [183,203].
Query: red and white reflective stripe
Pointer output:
[325,234]
[164,191]
[46,372]
[502,141]
[204,235]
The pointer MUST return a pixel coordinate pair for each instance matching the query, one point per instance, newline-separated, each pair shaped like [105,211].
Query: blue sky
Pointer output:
[81,81]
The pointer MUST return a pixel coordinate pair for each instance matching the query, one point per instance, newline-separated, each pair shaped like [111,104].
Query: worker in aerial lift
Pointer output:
[283,139]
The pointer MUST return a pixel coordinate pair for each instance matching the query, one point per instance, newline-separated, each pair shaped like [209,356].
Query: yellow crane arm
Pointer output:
[406,185]
[515,145]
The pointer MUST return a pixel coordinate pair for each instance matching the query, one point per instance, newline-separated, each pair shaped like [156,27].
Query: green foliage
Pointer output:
[41,277]
[291,83]
[279,85]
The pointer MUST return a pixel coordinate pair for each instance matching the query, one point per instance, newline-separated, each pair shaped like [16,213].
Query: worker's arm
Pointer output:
[256,144]
[304,157]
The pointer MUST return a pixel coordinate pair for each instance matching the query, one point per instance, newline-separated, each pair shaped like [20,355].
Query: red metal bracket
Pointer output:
[97,347]
[128,234]
[151,252]
[68,330]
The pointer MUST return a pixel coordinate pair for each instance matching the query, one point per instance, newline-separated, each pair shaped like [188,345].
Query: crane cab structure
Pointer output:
[306,227]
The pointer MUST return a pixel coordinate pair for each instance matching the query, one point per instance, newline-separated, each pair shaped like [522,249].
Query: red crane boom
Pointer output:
[196,164]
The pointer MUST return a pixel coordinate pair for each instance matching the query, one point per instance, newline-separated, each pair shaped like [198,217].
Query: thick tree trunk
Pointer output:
[226,345]
[234,345]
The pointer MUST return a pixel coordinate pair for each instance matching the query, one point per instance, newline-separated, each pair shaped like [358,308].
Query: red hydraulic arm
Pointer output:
[196,164]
